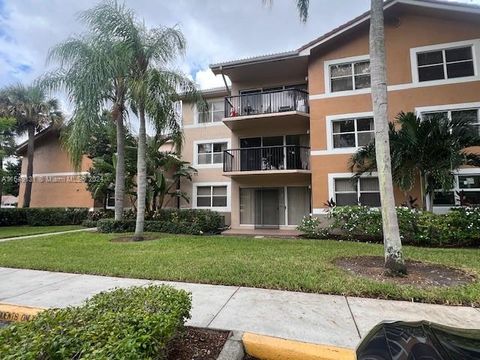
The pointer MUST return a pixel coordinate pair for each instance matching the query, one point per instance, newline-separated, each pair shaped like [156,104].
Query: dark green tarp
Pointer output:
[419,341]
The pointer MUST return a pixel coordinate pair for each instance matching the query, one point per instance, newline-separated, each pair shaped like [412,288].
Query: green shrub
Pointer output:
[459,227]
[42,216]
[96,215]
[115,226]
[12,217]
[185,221]
[135,323]
[89,223]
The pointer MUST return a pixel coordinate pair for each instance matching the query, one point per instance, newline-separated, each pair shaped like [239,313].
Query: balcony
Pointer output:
[284,159]
[267,108]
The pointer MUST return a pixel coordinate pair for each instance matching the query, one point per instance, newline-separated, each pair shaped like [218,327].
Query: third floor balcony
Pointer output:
[269,108]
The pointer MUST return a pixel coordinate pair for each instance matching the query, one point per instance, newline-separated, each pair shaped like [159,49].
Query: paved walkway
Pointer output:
[46,234]
[323,319]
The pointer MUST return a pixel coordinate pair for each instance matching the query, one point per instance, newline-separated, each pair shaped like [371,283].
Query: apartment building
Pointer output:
[276,144]
[55,182]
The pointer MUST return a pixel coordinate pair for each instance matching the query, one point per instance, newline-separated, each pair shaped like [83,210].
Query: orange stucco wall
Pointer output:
[412,30]
[53,184]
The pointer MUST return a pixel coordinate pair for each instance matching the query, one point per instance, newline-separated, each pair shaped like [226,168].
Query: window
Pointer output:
[350,76]
[470,115]
[110,200]
[212,196]
[445,64]
[466,191]
[214,113]
[211,153]
[363,191]
[352,132]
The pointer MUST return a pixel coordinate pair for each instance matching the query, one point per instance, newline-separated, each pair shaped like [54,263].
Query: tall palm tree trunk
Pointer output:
[394,262]
[29,180]
[141,177]
[120,167]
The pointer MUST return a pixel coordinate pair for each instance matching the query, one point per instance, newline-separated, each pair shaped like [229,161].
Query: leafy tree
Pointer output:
[7,144]
[11,177]
[428,149]
[33,111]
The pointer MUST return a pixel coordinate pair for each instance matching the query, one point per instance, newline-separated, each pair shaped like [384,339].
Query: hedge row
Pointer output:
[184,221]
[459,228]
[42,216]
[135,323]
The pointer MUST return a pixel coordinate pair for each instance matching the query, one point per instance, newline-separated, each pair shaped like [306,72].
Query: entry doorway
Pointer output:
[267,208]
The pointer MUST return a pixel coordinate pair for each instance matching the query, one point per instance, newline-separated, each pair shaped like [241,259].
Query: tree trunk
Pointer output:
[394,262]
[29,180]
[141,177]
[120,167]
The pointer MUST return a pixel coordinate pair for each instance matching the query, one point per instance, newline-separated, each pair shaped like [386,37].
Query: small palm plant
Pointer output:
[427,150]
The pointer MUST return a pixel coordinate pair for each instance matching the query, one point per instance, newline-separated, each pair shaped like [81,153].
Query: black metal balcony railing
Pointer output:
[268,102]
[287,157]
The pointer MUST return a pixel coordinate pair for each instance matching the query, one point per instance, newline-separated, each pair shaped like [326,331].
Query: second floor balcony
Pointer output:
[241,110]
[267,159]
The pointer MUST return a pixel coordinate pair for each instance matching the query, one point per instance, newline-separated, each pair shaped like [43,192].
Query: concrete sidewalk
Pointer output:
[322,319]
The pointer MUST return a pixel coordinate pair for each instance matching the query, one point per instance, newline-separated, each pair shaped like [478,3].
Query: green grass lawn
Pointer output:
[15,231]
[299,265]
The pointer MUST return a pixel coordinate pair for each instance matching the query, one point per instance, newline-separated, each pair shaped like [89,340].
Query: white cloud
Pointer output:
[206,79]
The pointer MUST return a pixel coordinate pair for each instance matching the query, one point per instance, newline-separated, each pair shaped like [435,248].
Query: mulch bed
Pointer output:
[420,274]
[130,238]
[197,344]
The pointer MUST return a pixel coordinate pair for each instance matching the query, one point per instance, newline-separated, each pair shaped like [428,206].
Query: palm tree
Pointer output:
[154,86]
[428,149]
[394,262]
[7,144]
[165,171]
[94,71]
[302,7]
[33,111]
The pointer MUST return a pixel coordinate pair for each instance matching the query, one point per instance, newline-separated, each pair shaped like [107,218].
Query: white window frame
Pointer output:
[196,113]
[348,60]
[213,208]
[449,108]
[456,173]
[474,43]
[330,119]
[333,176]
[110,195]
[208,141]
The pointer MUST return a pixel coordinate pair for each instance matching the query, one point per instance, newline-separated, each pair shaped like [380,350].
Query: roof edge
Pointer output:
[304,50]
[254,60]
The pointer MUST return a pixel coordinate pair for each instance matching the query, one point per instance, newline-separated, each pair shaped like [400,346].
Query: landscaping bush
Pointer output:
[12,217]
[174,221]
[42,216]
[459,227]
[135,323]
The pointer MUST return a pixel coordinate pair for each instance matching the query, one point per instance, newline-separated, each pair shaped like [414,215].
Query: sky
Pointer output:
[216,30]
